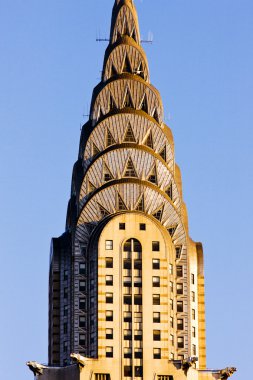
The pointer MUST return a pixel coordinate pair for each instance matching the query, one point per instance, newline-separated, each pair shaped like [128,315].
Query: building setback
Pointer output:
[126,288]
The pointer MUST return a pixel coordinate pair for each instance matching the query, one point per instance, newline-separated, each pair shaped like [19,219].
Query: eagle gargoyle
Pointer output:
[227,372]
[187,363]
[36,368]
[79,359]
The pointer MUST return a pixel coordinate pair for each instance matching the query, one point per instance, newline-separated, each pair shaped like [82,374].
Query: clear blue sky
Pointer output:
[201,61]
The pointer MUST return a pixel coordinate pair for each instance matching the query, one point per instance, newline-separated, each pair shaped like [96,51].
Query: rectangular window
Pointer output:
[137,317]
[156,282]
[128,372]
[172,340]
[82,303]
[109,262]
[138,353]
[102,376]
[171,286]
[194,350]
[109,245]
[82,286]
[65,293]
[156,299]
[127,316]
[155,246]
[82,268]
[65,328]
[138,371]
[156,317]
[65,346]
[180,288]
[82,340]
[193,314]
[127,264]
[138,264]
[192,279]
[193,332]
[137,335]
[171,304]
[179,271]
[109,315]
[156,264]
[138,299]
[127,353]
[127,334]
[180,306]
[122,226]
[142,227]
[65,311]
[127,300]
[157,353]
[180,342]
[82,321]
[109,352]
[193,297]
[66,274]
[137,282]
[172,322]
[156,335]
[180,324]
[170,269]
[109,280]
[109,333]
[109,297]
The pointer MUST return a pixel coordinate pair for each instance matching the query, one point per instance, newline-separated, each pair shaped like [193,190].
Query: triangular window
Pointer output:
[112,104]
[95,149]
[118,35]
[128,103]
[109,138]
[156,116]
[153,176]
[129,135]
[125,29]
[144,104]
[107,174]
[140,70]
[159,213]
[140,204]
[163,153]
[91,187]
[121,204]
[172,230]
[130,169]
[113,71]
[169,191]
[149,141]
[127,66]
[134,35]
[100,113]
[102,210]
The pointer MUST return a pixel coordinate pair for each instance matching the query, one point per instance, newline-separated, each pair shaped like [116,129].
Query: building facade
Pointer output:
[126,289]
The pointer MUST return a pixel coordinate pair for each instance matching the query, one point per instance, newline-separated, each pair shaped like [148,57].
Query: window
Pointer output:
[180,288]
[172,322]
[82,286]
[82,303]
[137,335]
[65,311]
[179,271]
[165,377]
[127,264]
[138,317]
[109,245]
[180,324]
[109,280]
[102,376]
[180,342]
[65,328]
[142,227]
[156,264]
[156,282]
[138,371]
[171,304]
[138,264]
[66,274]
[193,296]
[193,314]
[138,299]
[82,268]
[157,353]
[138,353]
[178,252]
[193,332]
[128,371]
[156,317]
[65,346]
[137,282]
[155,246]
[109,333]
[82,340]
[82,321]
[109,297]
[127,316]
[127,334]
[170,269]
[122,226]
[194,349]
[180,306]
[65,293]
[109,352]
[127,300]
[109,262]
[192,279]
[171,286]
[109,315]
[127,353]
[156,299]
[156,335]
[172,339]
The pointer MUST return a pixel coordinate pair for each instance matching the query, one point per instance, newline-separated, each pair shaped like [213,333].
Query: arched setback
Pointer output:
[157,252]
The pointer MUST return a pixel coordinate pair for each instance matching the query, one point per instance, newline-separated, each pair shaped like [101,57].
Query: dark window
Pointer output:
[109,262]
[156,299]
[156,335]
[127,334]
[137,335]
[82,321]
[192,279]
[109,352]
[142,227]
[179,271]
[66,273]
[65,346]
[137,282]
[194,350]
[156,317]
[65,293]
[65,328]
[128,371]
[138,353]
[127,316]
[82,304]
[180,324]
[127,281]
[156,264]
[109,315]
[137,264]
[180,342]
[109,297]
[193,332]
[127,353]
[82,286]
[109,280]
[138,371]
[157,353]
[178,252]
[180,288]
[155,246]
[180,306]
[122,226]
[65,311]
[137,299]
[156,282]
[127,300]
[82,268]
[82,340]
[193,314]
[127,264]
[109,333]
